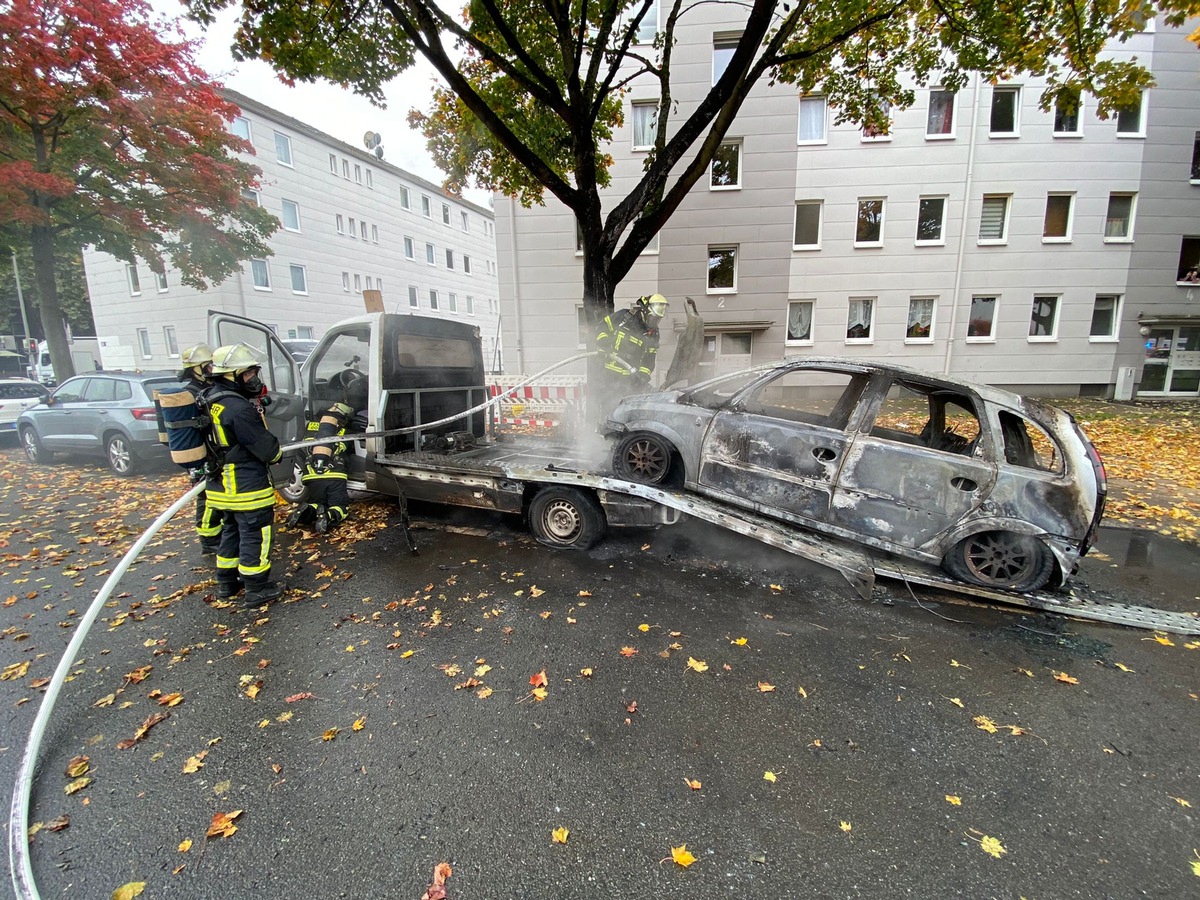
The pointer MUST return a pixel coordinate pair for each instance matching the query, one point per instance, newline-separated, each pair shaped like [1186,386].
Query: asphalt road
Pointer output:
[867,714]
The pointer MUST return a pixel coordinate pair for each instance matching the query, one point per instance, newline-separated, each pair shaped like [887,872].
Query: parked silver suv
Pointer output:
[102,413]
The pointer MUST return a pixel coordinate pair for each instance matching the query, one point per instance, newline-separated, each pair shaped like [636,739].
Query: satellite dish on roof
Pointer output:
[378,152]
[371,140]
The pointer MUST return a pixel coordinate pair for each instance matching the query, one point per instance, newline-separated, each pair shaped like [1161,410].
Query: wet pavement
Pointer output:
[906,735]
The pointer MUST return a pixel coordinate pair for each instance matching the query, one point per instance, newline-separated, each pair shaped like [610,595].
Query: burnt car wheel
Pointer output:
[35,452]
[1002,560]
[644,458]
[294,490]
[121,459]
[567,518]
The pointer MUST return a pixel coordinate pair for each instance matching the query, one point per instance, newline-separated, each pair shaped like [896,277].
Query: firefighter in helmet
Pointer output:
[629,339]
[196,378]
[327,502]
[241,486]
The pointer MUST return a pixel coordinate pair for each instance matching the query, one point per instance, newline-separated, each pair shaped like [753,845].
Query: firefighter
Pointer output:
[197,379]
[240,485]
[324,476]
[629,339]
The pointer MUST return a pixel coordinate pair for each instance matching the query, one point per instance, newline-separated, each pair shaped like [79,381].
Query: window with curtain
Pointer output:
[813,117]
[799,321]
[645,121]
[1118,223]
[1105,316]
[940,122]
[860,319]
[920,319]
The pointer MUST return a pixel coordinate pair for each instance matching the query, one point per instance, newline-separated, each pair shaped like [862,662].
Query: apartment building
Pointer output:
[350,223]
[980,236]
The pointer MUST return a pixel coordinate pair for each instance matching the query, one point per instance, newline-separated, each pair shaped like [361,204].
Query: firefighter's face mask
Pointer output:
[250,379]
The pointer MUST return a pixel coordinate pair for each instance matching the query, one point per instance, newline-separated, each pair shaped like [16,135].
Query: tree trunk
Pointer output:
[42,242]
[598,292]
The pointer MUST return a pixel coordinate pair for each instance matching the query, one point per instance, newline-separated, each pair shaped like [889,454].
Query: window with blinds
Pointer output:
[993,220]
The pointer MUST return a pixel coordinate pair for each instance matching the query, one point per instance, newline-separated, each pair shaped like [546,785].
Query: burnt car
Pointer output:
[1000,490]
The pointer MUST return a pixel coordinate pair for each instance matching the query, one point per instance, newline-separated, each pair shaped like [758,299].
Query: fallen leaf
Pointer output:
[957,702]
[545,614]
[137,676]
[535,592]
[359,724]
[1124,668]
[765,687]
[142,730]
[484,692]
[63,821]
[1162,639]
[559,835]
[14,671]
[77,785]
[739,642]
[295,697]
[776,587]
[129,890]
[769,776]
[222,824]
[992,846]
[539,680]
[330,734]
[170,699]
[628,652]
[1196,863]
[644,627]
[697,665]
[284,716]
[193,764]
[586,673]
[585,593]
[407,653]
[1025,672]
[985,724]
[437,890]
[1065,678]
[682,856]
[1181,801]
[539,694]
[802,692]
[185,845]
[953,800]
[693,783]
[78,765]
[845,826]
[482,670]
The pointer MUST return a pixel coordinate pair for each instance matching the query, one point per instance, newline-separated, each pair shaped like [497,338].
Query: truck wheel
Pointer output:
[645,458]
[121,459]
[294,489]
[1001,560]
[567,518]
[34,451]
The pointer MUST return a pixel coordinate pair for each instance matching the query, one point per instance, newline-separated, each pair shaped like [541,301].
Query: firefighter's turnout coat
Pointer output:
[624,334]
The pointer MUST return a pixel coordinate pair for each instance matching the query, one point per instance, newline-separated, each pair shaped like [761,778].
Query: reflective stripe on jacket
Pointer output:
[244,482]
[623,334]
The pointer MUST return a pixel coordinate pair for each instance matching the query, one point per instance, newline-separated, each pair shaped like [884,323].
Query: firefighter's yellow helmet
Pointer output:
[234,359]
[656,304]
[197,355]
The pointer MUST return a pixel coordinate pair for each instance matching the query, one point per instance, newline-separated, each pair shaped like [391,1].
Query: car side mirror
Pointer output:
[49,401]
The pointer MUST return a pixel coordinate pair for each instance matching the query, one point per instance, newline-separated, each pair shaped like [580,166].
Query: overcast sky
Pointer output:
[327,107]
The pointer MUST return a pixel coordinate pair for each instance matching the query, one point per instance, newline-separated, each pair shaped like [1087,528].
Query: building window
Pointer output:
[940,121]
[160,279]
[1118,223]
[860,320]
[1043,320]
[1006,101]
[413,300]
[1067,116]
[1106,318]
[1195,174]
[1056,228]
[346,169]
[260,274]
[305,332]
[362,229]
[370,283]
[171,341]
[878,127]
[426,208]
[645,120]
[466,264]
[291,215]
[452,302]
[283,149]
[919,329]
[1130,119]
[445,214]
[449,259]
[725,172]
[931,221]
[299,279]
[430,255]
[813,119]
[469,302]
[982,321]
[353,228]
[357,174]
[341,223]
[135,283]
[143,336]
[409,252]
[374,234]
[799,322]
[868,229]
[807,232]
[1188,271]
[648,27]
[722,270]
[370,180]
[333,163]
[346,281]
[252,195]
[723,47]
[433,299]
[358,284]
[993,219]
[240,126]
[466,223]
[404,201]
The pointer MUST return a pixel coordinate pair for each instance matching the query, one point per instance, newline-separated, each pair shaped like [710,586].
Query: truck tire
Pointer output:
[294,490]
[566,518]
[118,450]
[35,451]
[1001,560]
[645,458]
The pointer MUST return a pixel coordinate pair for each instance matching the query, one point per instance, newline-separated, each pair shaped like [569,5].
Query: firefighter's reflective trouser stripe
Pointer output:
[328,489]
[246,546]
[208,519]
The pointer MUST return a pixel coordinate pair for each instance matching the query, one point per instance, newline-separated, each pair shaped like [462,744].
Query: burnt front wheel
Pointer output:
[1001,560]
[644,458]
[567,518]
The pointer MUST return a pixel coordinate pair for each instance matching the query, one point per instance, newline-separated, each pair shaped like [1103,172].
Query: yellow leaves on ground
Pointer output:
[627,652]
[78,765]
[222,824]
[185,845]
[1025,672]
[986,724]
[142,730]
[484,692]
[331,733]
[1065,678]
[586,672]
[129,890]
[535,591]
[1181,802]
[739,642]
[1196,863]
[137,676]
[359,724]
[765,687]
[480,671]
[559,835]
[1161,638]
[697,665]
[644,627]
[16,670]
[539,679]
[194,763]
[953,800]
[1124,668]
[682,856]
[957,702]
[539,694]
[693,783]
[992,846]
[802,692]
[845,826]
[77,785]
[769,776]
[170,699]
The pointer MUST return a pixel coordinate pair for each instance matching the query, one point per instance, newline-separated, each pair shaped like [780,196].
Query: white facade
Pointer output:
[351,222]
[982,237]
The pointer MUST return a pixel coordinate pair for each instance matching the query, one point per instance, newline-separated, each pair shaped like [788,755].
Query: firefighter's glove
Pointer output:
[321,465]
[641,378]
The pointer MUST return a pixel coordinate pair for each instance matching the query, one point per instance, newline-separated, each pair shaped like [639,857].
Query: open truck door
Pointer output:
[280,372]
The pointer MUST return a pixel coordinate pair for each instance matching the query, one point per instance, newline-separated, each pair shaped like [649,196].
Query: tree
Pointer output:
[110,133]
[69,280]
[533,90]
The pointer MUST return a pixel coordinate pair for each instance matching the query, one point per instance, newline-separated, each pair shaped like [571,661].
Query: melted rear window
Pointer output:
[431,352]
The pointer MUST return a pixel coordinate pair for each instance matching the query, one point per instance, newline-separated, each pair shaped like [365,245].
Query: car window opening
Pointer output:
[1026,444]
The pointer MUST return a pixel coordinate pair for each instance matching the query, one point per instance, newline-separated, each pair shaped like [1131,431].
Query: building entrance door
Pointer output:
[1172,367]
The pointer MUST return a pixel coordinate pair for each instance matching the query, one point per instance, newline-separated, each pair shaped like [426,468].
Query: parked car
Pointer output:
[109,414]
[17,395]
[300,348]
[1000,490]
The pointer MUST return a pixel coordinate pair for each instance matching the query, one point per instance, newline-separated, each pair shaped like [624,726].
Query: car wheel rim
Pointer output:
[562,521]
[30,442]
[999,558]
[118,455]
[646,459]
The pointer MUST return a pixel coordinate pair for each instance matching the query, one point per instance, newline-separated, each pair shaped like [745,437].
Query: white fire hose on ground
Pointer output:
[23,882]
